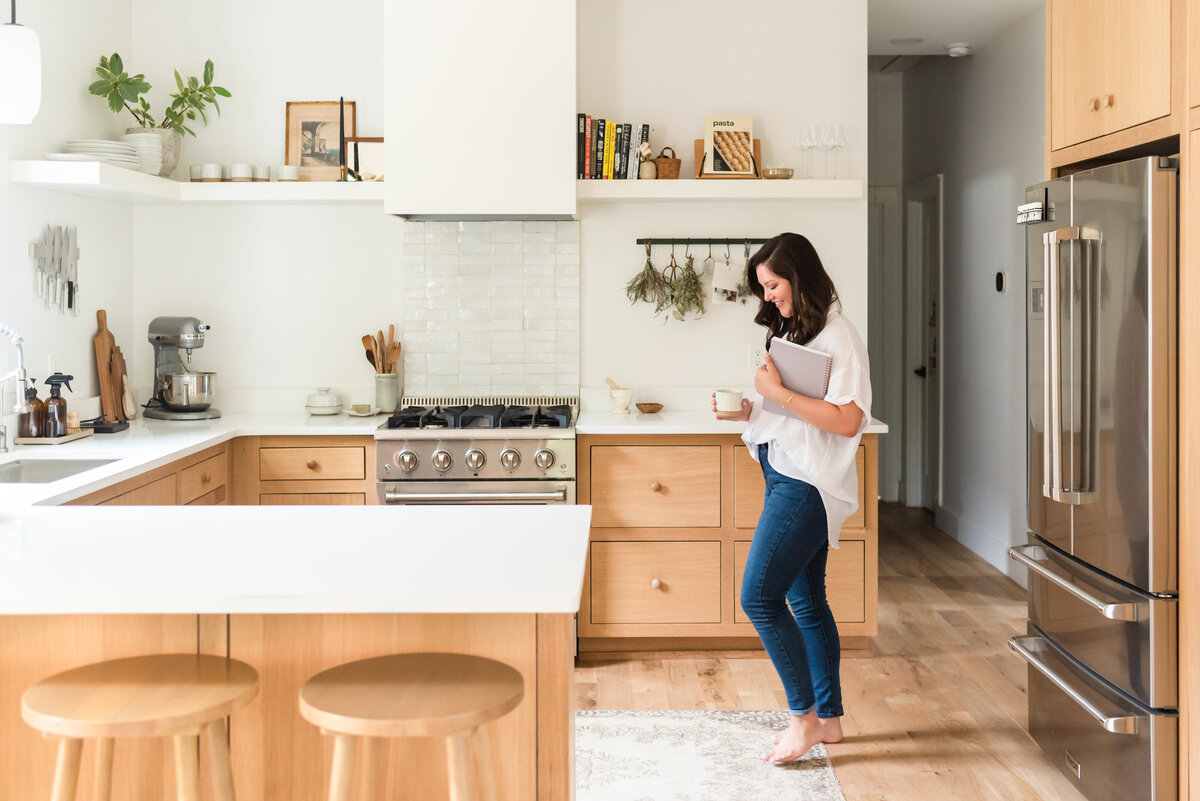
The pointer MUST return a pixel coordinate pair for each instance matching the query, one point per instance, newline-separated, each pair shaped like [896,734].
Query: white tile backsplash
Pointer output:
[491,307]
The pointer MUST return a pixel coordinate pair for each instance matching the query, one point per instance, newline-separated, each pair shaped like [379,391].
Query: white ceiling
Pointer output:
[940,22]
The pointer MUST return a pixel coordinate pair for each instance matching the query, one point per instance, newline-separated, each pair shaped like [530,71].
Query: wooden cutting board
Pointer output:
[118,380]
[110,403]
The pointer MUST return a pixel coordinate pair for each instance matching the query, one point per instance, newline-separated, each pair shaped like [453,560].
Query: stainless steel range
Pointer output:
[489,450]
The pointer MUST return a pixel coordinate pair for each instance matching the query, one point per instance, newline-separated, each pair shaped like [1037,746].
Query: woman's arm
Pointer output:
[842,420]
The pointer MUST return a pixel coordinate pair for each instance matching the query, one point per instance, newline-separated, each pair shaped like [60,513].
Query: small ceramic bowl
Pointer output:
[777,172]
[323,402]
[649,408]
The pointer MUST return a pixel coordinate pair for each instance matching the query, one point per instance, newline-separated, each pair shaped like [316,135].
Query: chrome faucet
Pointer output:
[18,375]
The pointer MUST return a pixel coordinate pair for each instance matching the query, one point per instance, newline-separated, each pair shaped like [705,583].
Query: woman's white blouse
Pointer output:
[799,449]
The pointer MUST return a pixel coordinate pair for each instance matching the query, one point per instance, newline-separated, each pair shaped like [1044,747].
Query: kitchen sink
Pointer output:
[43,471]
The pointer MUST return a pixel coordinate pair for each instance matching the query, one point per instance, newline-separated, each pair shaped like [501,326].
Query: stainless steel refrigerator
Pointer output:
[1101,262]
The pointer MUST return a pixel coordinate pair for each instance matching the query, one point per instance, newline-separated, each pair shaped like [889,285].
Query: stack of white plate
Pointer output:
[149,150]
[120,154]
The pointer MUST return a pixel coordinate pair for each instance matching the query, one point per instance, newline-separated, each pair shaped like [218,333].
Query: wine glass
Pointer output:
[835,141]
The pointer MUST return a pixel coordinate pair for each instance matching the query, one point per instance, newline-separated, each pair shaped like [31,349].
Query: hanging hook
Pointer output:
[727,255]
[687,248]
[648,243]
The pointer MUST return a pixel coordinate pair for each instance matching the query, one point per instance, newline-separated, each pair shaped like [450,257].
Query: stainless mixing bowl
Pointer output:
[188,392]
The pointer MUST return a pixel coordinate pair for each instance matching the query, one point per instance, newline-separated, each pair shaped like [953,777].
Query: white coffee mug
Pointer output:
[210,172]
[241,172]
[262,172]
[729,403]
[288,172]
[194,172]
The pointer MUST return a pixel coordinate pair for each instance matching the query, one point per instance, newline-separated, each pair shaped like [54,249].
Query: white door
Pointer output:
[923,343]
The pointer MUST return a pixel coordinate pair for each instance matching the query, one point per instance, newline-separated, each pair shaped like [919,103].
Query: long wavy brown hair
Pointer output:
[793,258]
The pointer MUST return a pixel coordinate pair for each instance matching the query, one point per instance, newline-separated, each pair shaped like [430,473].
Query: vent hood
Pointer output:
[480,110]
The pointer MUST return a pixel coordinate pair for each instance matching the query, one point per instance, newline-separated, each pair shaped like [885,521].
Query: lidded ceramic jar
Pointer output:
[323,402]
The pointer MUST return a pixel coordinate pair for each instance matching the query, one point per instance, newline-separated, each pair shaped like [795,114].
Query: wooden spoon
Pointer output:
[369,344]
[380,352]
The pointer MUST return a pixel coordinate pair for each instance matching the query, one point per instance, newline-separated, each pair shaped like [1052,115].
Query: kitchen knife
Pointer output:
[39,277]
[73,271]
[55,262]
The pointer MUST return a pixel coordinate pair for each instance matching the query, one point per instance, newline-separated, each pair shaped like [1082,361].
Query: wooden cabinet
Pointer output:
[1110,68]
[305,471]
[33,647]
[651,486]
[1193,49]
[656,582]
[199,478]
[496,82]
[666,562]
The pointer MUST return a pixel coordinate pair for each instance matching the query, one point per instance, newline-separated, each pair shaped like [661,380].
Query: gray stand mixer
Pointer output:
[179,394]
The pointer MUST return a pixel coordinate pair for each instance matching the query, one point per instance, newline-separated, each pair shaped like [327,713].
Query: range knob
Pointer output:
[544,459]
[407,460]
[510,459]
[476,459]
[442,460]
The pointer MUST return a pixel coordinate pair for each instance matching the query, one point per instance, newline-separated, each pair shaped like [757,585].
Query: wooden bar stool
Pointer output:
[164,695]
[412,695]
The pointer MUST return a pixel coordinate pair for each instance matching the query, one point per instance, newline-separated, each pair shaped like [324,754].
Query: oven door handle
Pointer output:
[392,496]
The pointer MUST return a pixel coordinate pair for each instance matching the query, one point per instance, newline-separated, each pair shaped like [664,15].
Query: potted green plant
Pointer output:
[123,90]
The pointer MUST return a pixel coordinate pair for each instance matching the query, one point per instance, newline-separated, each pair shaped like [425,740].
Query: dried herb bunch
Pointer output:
[649,286]
[689,296]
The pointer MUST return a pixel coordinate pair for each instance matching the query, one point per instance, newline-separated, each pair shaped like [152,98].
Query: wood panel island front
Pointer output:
[293,591]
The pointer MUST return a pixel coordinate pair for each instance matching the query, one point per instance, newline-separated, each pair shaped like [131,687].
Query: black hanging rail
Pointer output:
[704,241]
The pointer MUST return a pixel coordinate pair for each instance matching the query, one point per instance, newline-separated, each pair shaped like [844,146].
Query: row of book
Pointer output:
[607,149]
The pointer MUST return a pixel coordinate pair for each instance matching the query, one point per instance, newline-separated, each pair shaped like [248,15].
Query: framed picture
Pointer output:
[364,158]
[728,143]
[314,133]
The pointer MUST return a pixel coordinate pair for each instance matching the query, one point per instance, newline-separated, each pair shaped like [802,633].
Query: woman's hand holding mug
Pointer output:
[731,406]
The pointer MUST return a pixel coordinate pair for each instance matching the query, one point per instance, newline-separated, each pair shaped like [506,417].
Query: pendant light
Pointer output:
[21,66]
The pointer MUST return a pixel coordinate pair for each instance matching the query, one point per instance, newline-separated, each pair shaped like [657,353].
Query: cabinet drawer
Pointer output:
[298,464]
[313,499]
[748,488]
[845,580]
[157,493]
[202,478]
[656,486]
[655,582]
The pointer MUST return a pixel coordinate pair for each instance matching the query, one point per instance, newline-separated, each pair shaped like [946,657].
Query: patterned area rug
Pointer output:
[692,755]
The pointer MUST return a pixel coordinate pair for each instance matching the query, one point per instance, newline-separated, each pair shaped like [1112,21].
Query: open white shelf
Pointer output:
[99,180]
[600,191]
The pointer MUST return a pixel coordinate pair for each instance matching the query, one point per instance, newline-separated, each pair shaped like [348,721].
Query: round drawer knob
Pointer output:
[1108,101]
[1094,104]
[655,584]
[656,487]
[312,464]
[204,479]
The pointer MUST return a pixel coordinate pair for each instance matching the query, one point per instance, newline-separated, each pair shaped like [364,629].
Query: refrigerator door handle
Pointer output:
[1027,555]
[1027,646]
[1052,481]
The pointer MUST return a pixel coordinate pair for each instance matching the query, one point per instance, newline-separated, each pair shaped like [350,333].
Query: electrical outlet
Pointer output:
[755,356]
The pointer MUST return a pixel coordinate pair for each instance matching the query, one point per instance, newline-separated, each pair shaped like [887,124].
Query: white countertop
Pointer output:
[147,444]
[667,422]
[295,560]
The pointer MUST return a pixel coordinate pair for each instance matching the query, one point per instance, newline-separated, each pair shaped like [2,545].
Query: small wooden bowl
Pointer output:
[649,408]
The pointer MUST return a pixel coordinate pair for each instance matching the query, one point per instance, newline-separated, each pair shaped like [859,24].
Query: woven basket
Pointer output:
[667,167]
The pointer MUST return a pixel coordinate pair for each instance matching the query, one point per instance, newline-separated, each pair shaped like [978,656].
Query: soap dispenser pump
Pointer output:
[56,405]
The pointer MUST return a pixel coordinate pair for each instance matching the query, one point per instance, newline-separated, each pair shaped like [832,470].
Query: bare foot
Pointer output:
[831,731]
[802,733]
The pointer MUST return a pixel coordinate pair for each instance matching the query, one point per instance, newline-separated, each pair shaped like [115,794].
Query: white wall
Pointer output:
[805,62]
[981,121]
[73,34]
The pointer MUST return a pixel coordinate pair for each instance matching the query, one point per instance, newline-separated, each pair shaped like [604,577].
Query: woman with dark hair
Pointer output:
[808,462]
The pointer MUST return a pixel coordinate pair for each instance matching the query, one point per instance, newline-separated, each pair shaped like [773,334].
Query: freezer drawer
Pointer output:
[1124,635]
[1108,745]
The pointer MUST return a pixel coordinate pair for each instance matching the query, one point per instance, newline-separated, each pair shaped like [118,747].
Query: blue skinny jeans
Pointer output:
[786,567]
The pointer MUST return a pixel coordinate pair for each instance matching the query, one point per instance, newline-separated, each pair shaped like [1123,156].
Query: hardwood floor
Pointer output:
[934,712]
